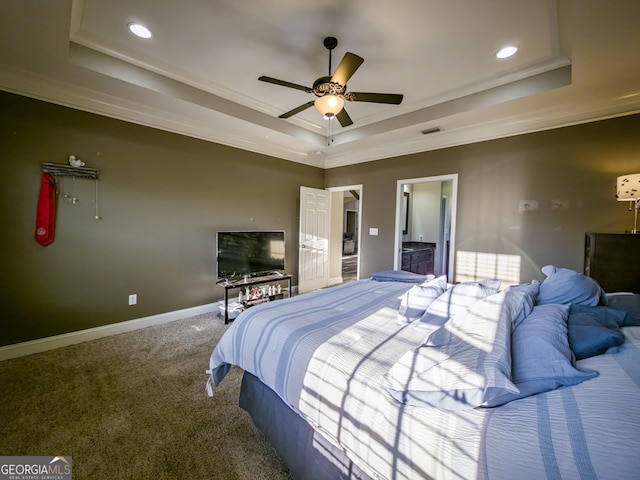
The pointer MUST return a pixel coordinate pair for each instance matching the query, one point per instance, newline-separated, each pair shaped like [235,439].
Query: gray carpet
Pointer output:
[133,406]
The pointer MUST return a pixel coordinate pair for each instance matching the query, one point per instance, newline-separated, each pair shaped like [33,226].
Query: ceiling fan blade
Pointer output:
[299,109]
[344,118]
[285,84]
[348,66]
[392,98]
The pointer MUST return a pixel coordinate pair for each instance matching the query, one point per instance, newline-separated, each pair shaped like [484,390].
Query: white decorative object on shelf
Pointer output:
[75,162]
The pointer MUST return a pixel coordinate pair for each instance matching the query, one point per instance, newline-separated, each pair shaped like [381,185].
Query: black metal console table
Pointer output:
[248,281]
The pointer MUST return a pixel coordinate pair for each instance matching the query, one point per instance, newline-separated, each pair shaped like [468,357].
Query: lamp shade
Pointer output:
[628,188]
[329,105]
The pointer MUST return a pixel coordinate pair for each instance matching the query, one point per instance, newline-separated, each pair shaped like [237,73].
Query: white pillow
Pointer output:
[414,302]
[464,364]
[456,300]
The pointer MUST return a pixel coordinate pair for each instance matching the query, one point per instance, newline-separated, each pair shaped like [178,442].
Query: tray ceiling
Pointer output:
[198,74]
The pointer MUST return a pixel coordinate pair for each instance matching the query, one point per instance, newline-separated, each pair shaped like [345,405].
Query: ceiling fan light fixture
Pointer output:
[329,105]
[331,90]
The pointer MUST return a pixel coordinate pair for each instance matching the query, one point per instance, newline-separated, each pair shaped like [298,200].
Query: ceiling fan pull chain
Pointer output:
[330,131]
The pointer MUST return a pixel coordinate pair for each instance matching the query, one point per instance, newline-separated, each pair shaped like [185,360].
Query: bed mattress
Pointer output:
[326,354]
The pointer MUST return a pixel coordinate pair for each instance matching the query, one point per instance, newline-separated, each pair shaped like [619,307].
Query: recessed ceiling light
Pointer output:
[507,51]
[139,30]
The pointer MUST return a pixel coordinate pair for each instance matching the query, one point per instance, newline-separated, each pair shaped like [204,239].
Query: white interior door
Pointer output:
[313,248]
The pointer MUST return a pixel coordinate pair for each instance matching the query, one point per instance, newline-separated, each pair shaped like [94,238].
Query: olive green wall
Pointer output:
[576,164]
[161,198]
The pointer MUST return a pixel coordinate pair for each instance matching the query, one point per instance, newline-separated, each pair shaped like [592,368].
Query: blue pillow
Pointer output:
[415,301]
[400,276]
[627,302]
[540,355]
[592,330]
[566,286]
[532,287]
[522,300]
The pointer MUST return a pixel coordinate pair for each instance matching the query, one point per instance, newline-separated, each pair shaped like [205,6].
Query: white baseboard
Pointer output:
[335,281]
[71,338]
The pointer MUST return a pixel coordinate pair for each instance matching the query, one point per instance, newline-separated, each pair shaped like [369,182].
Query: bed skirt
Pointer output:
[307,454]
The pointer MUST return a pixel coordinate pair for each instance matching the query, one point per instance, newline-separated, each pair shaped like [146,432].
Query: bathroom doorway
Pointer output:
[346,218]
[425,220]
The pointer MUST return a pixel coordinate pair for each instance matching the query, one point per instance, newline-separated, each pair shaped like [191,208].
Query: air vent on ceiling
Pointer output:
[427,131]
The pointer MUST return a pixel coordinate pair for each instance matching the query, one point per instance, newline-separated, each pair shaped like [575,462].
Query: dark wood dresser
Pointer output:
[613,259]
[418,257]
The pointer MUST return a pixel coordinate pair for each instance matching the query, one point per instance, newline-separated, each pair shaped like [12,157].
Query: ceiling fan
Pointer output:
[332,90]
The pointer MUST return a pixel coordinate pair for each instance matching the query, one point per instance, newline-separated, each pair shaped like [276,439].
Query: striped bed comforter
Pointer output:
[326,354]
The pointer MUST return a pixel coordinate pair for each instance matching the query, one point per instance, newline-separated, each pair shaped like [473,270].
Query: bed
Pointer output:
[404,377]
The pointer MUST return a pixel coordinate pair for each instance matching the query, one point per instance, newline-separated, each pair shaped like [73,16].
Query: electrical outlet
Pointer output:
[133,299]
[528,206]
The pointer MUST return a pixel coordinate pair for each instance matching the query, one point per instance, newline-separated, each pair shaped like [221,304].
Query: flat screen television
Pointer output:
[250,253]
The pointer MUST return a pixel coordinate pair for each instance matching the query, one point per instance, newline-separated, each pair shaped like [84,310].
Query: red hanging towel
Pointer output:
[46,213]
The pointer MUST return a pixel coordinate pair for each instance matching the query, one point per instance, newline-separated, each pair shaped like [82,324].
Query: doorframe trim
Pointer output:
[359,187]
[397,248]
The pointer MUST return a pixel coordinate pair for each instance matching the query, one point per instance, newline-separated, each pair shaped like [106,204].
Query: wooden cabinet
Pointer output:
[613,259]
[417,257]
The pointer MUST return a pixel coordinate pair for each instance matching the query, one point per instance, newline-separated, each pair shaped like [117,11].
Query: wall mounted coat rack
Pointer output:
[69,171]
[57,169]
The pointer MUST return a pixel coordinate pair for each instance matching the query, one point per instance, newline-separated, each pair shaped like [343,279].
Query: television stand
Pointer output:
[250,281]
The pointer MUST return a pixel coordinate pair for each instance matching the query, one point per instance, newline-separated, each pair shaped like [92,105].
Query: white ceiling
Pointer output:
[198,74]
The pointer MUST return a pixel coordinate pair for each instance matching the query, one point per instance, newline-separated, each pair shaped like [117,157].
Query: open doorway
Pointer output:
[350,244]
[345,223]
[425,225]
